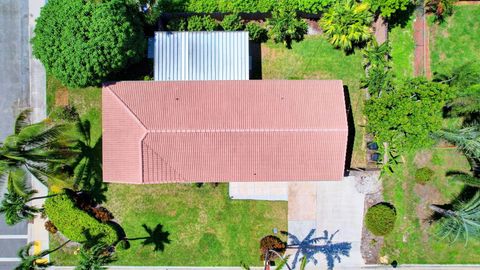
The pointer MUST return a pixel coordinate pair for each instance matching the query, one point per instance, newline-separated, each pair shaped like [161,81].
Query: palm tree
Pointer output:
[463,221]
[95,258]
[346,24]
[29,261]
[466,178]
[467,104]
[15,206]
[466,139]
[35,148]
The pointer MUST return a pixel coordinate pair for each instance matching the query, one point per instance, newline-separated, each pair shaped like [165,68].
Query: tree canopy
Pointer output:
[84,42]
[388,7]
[406,116]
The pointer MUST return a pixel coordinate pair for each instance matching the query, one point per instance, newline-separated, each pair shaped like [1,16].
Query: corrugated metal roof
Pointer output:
[221,131]
[217,55]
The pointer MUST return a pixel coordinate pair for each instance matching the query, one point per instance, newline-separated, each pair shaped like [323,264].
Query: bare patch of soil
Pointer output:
[314,28]
[61,97]
[423,158]
[428,194]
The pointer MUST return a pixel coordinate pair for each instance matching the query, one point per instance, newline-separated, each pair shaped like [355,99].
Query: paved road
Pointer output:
[14,96]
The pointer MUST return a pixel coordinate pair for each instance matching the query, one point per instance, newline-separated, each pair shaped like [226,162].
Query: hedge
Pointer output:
[246,6]
[74,222]
[380,219]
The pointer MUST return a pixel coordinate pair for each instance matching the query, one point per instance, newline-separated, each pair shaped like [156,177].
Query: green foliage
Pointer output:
[29,261]
[313,6]
[378,70]
[75,223]
[256,32]
[462,222]
[15,208]
[82,43]
[423,175]
[465,139]
[201,23]
[347,24]
[95,258]
[388,7]
[466,178]
[232,22]
[284,26]
[441,8]
[380,219]
[406,116]
[178,24]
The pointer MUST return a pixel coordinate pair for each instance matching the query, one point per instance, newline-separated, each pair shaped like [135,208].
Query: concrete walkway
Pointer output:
[331,206]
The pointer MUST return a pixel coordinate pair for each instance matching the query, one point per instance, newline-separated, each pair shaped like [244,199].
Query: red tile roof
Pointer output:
[222,131]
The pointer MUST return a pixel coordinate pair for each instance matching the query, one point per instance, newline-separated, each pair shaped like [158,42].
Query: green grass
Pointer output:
[206,228]
[315,58]
[457,41]
[413,240]
[403,46]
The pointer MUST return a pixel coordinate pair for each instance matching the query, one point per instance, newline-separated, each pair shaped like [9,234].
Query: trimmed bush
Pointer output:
[423,175]
[74,223]
[380,219]
[256,32]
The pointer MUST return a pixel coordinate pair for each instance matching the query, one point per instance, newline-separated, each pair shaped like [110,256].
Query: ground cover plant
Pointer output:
[456,41]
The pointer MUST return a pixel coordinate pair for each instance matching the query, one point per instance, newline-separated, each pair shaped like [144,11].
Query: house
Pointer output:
[213,55]
[223,131]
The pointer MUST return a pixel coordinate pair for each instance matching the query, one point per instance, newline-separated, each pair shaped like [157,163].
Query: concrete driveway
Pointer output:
[334,206]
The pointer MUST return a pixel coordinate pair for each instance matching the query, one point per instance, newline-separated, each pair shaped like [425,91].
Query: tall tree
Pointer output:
[461,222]
[466,139]
[347,24]
[95,257]
[284,26]
[35,148]
[29,261]
[83,43]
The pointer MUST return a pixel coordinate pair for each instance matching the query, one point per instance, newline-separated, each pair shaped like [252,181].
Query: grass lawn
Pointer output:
[315,58]
[402,44]
[457,41]
[413,240]
[205,227]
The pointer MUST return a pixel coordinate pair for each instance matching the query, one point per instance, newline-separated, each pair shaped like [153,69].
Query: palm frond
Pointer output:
[465,178]
[22,120]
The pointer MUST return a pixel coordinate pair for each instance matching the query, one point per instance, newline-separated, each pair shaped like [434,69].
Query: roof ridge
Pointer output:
[129,111]
[245,130]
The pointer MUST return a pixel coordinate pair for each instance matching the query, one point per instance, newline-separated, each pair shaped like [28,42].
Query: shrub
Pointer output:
[347,24]
[102,214]
[271,242]
[202,23]
[232,22]
[75,223]
[313,6]
[423,175]
[83,43]
[178,24]
[256,32]
[284,25]
[380,219]
[50,227]
[388,7]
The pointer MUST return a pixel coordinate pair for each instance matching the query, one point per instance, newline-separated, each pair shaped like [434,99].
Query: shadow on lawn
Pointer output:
[156,237]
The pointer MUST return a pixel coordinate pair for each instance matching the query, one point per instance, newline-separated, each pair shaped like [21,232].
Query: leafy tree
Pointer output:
[34,148]
[406,116]
[83,42]
[347,24]
[284,26]
[232,22]
[95,257]
[388,7]
[201,23]
[29,261]
[463,221]
[256,32]
[313,6]
[16,209]
[377,68]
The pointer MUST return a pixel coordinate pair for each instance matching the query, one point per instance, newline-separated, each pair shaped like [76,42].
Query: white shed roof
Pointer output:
[218,55]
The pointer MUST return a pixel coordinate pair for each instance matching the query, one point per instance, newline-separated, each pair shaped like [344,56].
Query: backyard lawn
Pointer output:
[315,59]
[402,44]
[205,227]
[457,41]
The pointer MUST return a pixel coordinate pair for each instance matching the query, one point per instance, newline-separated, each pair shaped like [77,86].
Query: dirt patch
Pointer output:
[61,97]
[423,158]
[428,194]
[314,28]
[269,53]
[371,244]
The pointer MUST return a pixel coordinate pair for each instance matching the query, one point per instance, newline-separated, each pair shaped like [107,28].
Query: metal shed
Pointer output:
[218,55]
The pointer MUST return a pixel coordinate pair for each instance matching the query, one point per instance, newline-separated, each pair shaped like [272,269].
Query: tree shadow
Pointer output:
[401,17]
[465,195]
[309,247]
[351,130]
[156,237]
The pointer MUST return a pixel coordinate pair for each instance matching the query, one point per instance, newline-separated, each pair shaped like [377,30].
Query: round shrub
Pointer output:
[423,175]
[380,219]
[83,43]
[271,242]
[75,223]
[232,22]
[201,23]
